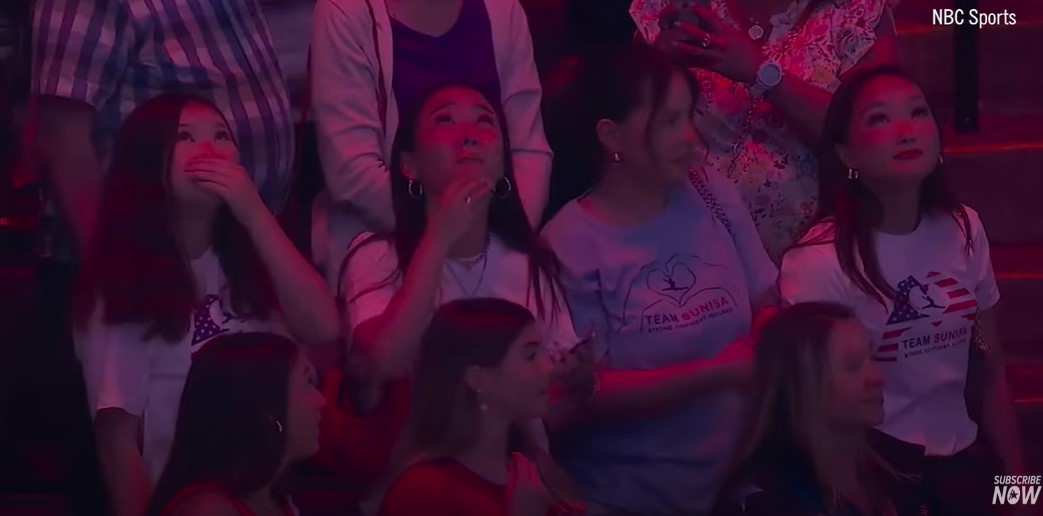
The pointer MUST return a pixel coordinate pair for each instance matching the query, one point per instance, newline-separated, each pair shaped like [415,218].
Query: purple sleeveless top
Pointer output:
[463,55]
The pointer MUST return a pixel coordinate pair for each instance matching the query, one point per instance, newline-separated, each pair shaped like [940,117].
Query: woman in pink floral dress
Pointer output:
[766,71]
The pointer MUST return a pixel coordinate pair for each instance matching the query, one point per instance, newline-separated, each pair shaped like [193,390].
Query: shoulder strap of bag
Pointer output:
[703,187]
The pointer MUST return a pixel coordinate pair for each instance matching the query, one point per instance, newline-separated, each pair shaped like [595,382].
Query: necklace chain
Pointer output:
[471,264]
[481,277]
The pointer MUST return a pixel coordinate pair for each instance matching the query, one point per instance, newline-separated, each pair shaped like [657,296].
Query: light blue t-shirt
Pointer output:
[673,290]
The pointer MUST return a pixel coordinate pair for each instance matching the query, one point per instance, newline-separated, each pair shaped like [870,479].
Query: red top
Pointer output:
[359,447]
[443,487]
[196,489]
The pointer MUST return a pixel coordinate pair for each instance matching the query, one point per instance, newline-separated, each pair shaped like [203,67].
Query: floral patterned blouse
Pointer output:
[774,170]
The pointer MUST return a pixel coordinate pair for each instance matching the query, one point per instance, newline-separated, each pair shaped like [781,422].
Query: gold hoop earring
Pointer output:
[415,190]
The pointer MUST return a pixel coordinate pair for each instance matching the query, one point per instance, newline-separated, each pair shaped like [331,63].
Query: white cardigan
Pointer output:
[353,145]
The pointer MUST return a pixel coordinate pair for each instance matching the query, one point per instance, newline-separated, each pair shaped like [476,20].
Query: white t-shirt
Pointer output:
[145,377]
[922,340]
[504,274]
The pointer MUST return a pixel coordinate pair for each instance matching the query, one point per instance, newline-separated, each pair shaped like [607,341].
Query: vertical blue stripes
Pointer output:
[217,48]
[64,19]
[44,10]
[230,14]
[177,28]
[269,63]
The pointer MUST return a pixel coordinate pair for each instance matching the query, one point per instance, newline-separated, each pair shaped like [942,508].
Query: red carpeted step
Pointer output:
[1019,272]
[1018,260]
[997,133]
[1027,382]
[997,172]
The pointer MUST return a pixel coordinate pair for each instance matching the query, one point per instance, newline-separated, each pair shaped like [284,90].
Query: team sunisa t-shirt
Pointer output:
[675,289]
[922,337]
[145,377]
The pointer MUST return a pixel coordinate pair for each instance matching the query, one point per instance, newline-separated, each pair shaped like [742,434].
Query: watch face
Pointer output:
[770,74]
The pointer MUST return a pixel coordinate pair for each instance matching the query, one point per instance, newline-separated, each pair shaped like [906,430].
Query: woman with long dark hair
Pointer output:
[373,61]
[186,250]
[482,369]
[892,242]
[767,70]
[816,396]
[249,411]
[662,262]
[460,233]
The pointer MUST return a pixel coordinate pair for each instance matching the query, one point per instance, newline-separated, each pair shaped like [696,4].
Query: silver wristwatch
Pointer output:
[769,75]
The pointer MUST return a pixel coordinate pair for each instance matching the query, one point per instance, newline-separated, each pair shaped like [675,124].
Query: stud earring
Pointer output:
[278,426]
[853,174]
[617,157]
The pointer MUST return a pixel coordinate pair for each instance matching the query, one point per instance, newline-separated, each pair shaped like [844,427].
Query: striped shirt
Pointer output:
[116,54]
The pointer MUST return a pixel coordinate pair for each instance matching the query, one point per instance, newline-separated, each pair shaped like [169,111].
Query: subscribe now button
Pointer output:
[1016,490]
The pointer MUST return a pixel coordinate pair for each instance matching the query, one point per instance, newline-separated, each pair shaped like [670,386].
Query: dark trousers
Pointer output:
[958,485]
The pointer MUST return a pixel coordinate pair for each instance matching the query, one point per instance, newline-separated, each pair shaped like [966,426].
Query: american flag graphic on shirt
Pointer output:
[917,304]
[205,325]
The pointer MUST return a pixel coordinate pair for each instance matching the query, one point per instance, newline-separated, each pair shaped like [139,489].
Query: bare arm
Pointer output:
[622,394]
[648,392]
[733,55]
[304,297]
[70,162]
[626,394]
[386,346]
[804,105]
[643,393]
[1000,418]
[125,475]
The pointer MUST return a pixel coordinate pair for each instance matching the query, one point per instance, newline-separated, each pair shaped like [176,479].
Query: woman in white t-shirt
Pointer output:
[460,232]
[186,250]
[893,243]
